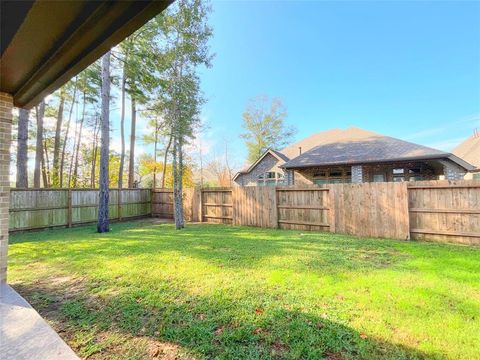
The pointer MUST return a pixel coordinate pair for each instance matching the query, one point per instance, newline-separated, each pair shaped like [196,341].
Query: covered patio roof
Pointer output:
[45,43]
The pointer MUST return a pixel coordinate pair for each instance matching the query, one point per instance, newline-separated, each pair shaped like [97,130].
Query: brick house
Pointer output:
[469,150]
[351,155]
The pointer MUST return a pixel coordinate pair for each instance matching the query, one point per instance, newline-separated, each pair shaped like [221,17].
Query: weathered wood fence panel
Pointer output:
[217,205]
[371,209]
[254,206]
[303,208]
[44,208]
[443,211]
[37,209]
[162,203]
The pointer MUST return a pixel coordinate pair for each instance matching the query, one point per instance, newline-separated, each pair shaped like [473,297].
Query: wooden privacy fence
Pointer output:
[44,208]
[434,210]
[445,211]
[431,210]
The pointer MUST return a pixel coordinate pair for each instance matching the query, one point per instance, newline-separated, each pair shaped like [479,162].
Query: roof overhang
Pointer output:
[455,159]
[45,43]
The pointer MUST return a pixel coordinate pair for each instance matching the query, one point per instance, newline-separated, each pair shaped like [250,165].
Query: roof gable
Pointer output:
[469,150]
[282,158]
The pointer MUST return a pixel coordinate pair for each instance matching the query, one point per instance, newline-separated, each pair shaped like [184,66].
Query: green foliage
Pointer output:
[229,292]
[147,166]
[264,122]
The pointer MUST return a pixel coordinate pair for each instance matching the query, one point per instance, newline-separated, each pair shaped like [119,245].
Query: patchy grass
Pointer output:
[145,290]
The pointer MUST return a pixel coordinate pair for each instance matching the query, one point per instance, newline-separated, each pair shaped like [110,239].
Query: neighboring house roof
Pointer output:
[323,137]
[356,146]
[469,150]
[281,157]
[293,150]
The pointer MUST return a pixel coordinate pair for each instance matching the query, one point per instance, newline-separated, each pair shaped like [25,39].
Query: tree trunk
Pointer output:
[155,158]
[122,131]
[56,147]
[77,150]
[131,164]
[164,170]
[40,110]
[62,161]
[46,165]
[94,153]
[22,149]
[180,184]
[176,190]
[103,217]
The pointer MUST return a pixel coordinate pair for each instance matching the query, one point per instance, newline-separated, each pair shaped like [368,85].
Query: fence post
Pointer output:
[331,208]
[69,203]
[119,204]
[277,210]
[201,205]
[151,201]
[407,210]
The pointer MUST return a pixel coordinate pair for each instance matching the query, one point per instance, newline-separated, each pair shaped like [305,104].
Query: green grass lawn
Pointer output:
[145,290]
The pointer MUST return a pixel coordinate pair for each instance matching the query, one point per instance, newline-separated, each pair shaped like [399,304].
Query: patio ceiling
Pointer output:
[45,43]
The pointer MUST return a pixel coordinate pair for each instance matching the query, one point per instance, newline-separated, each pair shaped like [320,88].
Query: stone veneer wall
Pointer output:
[6,106]
[268,163]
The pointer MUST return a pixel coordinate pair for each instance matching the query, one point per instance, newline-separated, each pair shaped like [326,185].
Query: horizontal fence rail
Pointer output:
[428,210]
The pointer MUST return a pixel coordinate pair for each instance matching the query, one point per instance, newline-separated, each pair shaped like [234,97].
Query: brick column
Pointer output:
[6,106]
[290,176]
[452,171]
[357,174]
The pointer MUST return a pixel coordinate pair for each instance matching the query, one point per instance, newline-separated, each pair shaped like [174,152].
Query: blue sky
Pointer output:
[405,69]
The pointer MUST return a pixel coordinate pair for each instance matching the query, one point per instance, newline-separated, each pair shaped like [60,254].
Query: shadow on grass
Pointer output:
[223,246]
[202,326]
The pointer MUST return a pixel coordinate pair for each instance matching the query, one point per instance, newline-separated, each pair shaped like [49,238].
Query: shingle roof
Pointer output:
[354,146]
[469,150]
[319,138]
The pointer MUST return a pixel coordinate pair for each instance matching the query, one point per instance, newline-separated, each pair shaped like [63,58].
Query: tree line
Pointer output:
[156,69]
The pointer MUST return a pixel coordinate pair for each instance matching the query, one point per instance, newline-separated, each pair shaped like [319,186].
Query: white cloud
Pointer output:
[470,121]
[446,145]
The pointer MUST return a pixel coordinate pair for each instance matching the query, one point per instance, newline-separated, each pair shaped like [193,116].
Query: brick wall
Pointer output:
[452,171]
[357,174]
[6,105]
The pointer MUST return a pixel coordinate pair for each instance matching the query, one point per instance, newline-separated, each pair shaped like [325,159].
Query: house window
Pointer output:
[270,178]
[476,176]
[410,174]
[332,176]
[398,175]
[379,178]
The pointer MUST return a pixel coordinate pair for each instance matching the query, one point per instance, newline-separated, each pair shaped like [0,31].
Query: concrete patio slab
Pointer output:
[24,334]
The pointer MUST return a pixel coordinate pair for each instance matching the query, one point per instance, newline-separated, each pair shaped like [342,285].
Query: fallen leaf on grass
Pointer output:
[219,330]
